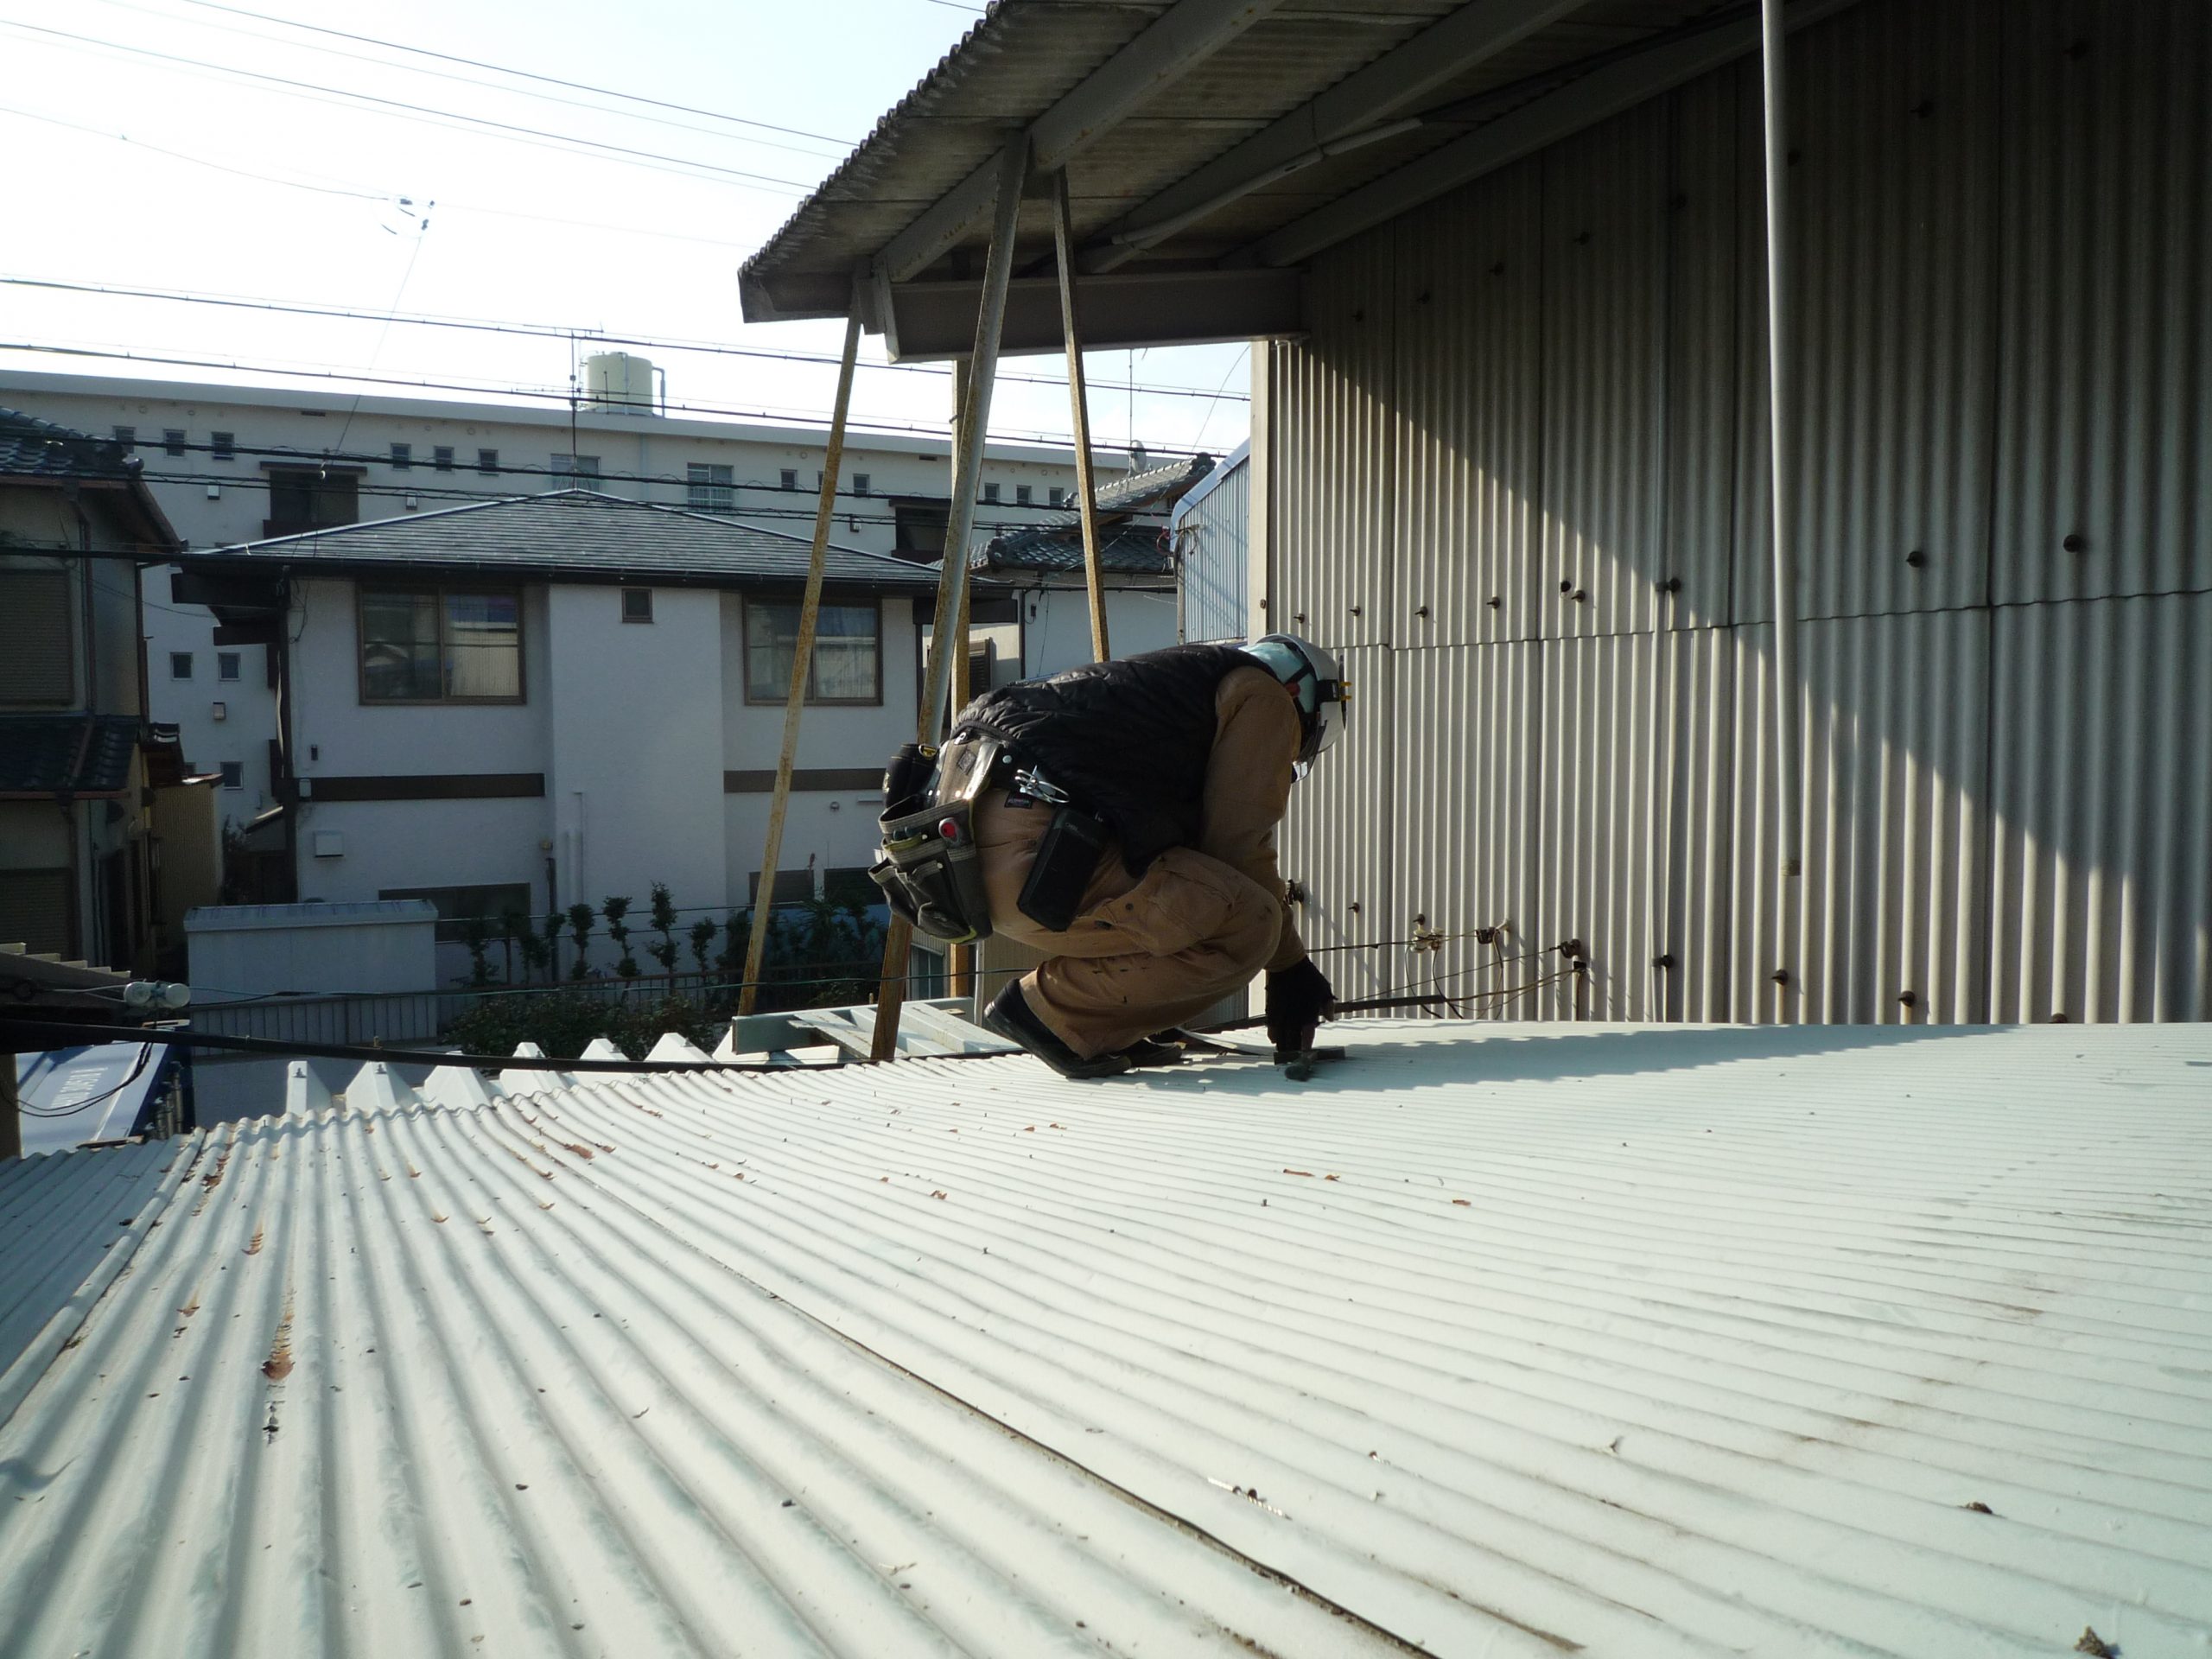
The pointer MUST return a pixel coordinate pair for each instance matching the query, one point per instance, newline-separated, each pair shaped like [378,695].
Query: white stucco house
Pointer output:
[514,706]
[238,464]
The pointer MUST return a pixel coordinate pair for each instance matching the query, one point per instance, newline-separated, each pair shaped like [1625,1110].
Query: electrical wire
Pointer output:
[561,395]
[523,75]
[471,80]
[145,1054]
[554,331]
[452,120]
[370,195]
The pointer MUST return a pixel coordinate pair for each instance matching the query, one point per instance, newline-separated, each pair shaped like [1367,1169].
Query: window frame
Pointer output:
[860,482]
[441,457]
[229,664]
[872,601]
[787,478]
[222,446]
[487,462]
[403,457]
[627,591]
[175,440]
[441,589]
[184,657]
[232,773]
[1025,495]
[990,495]
[703,492]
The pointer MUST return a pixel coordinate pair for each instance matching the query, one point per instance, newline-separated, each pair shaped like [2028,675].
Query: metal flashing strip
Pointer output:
[1630,1341]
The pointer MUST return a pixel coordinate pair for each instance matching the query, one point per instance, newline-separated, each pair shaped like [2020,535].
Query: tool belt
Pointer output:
[932,871]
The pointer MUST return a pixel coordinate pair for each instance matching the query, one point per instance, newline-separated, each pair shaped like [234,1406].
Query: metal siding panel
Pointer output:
[1604,373]
[1892,210]
[2106,433]
[1703,279]
[1213,545]
[1466,718]
[1700,766]
[1466,385]
[1606,794]
[2102,805]
[1893,893]
[1332,399]
[1338,839]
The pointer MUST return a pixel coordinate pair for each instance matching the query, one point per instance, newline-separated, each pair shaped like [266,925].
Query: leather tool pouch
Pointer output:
[1067,857]
[930,874]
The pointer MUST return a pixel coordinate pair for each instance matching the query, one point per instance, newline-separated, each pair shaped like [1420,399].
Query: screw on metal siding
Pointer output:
[1356,611]
[1780,976]
[1571,948]
[1567,584]
[1298,616]
[1421,610]
[2075,542]
[1915,558]
[1664,962]
[1582,238]
[1581,596]
[1925,108]
[1908,999]
[1498,270]
[1673,584]
[1353,908]
[1495,603]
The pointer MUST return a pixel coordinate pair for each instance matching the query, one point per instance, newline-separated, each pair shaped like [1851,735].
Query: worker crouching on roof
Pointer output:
[1121,818]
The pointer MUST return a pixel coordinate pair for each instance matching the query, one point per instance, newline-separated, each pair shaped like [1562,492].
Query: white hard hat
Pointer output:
[1312,674]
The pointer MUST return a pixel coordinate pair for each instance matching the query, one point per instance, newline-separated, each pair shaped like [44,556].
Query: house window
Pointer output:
[1022,494]
[990,492]
[233,774]
[788,478]
[308,497]
[505,905]
[127,436]
[637,604]
[487,461]
[793,888]
[226,664]
[919,530]
[37,668]
[710,485]
[442,457]
[403,457]
[860,483]
[847,664]
[179,664]
[569,471]
[223,446]
[1059,496]
[436,645]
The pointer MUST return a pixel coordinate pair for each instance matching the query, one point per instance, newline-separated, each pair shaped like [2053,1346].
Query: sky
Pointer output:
[191,147]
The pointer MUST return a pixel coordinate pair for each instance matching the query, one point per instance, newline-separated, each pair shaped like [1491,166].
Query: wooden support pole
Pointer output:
[810,615]
[1086,488]
[960,960]
[11,1122]
[952,574]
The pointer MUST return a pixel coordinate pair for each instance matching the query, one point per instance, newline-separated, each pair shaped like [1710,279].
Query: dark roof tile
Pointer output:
[66,754]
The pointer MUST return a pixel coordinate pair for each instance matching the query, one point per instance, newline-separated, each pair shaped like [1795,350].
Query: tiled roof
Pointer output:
[1508,1340]
[30,447]
[575,535]
[1056,543]
[66,754]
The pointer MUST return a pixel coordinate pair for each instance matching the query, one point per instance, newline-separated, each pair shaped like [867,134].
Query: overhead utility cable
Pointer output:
[523,75]
[537,136]
[554,331]
[353,57]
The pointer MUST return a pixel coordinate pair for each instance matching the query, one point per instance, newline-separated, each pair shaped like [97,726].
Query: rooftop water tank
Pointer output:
[617,383]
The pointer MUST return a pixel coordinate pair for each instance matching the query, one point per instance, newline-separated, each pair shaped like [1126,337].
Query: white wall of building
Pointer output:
[1055,626]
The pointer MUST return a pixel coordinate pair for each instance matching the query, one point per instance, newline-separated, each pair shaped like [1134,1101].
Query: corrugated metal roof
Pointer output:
[572,535]
[1024,55]
[1629,1341]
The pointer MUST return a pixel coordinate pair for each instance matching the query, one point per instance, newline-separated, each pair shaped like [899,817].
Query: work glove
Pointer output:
[1298,998]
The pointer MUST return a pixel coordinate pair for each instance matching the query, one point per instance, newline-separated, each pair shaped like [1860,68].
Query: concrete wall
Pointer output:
[1056,625]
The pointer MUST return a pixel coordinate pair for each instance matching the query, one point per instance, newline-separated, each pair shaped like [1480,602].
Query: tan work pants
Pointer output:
[1145,953]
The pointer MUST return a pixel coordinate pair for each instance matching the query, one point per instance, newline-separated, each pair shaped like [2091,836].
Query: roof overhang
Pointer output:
[1211,147]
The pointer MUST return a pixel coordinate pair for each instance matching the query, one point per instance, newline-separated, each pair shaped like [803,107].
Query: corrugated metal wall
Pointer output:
[1212,537]
[1518,470]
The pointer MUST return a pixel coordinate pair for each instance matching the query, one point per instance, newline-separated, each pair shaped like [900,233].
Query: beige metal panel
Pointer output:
[1606,788]
[1469,272]
[1893,219]
[1337,843]
[1334,456]
[2105,457]
[2102,794]
[1893,900]
[1213,546]
[1604,374]
[1703,278]
[1466,718]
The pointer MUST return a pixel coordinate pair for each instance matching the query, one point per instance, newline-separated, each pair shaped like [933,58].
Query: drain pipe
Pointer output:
[1789,762]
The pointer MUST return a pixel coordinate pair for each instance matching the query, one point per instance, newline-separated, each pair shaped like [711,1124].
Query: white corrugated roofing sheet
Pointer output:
[1545,1339]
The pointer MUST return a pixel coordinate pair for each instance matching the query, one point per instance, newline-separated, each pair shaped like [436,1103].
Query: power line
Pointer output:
[368,195]
[936,434]
[553,331]
[537,137]
[469,81]
[525,74]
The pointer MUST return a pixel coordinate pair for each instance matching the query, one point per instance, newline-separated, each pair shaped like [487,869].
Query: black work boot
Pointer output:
[1009,1016]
